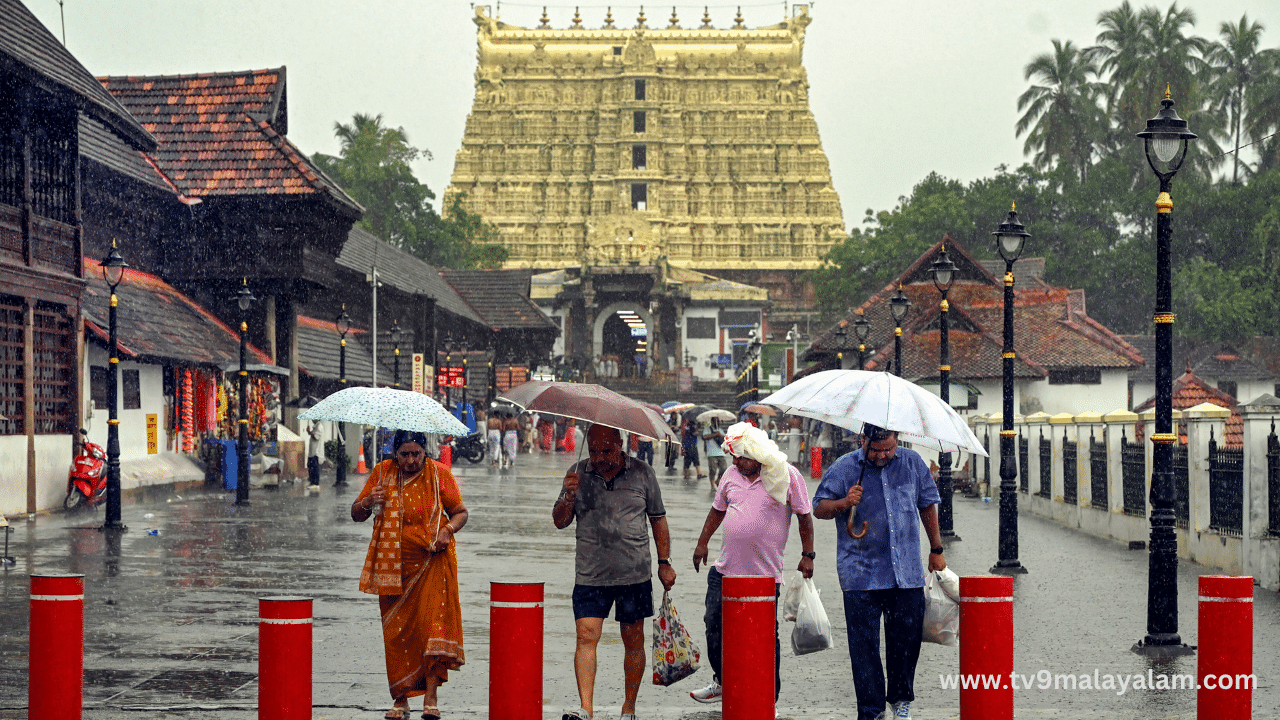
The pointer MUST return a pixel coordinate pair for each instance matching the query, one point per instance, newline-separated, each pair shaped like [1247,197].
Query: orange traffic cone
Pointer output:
[361,468]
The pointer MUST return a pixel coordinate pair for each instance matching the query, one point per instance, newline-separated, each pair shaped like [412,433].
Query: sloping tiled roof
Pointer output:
[156,322]
[501,297]
[1252,361]
[363,250]
[99,144]
[1051,328]
[1189,390]
[319,353]
[223,134]
[29,51]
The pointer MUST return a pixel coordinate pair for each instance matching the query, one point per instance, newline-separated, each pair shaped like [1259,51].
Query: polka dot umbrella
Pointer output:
[389,408]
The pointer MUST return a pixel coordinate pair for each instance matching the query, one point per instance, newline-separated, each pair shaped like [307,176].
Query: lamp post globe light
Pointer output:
[113,267]
[343,324]
[944,274]
[899,305]
[396,336]
[1167,136]
[841,333]
[244,298]
[1010,239]
[861,330]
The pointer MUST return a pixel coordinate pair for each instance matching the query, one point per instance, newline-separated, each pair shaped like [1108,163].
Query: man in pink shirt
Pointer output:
[755,501]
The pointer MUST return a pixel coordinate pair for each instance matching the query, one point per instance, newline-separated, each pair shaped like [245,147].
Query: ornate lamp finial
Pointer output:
[738,22]
[577,20]
[675,21]
[608,19]
[640,18]
[706,18]
[546,21]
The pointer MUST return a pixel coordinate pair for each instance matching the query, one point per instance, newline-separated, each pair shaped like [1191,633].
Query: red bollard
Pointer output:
[55,686]
[750,607]
[986,645]
[515,651]
[284,658]
[446,457]
[815,462]
[1224,665]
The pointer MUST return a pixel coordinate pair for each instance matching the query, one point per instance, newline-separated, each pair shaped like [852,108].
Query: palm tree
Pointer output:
[1235,61]
[1262,111]
[1061,110]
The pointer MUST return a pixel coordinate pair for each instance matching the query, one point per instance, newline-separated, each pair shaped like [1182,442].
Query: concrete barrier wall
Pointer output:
[1255,551]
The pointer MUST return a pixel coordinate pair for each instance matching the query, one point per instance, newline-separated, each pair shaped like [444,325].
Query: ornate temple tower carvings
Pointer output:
[620,146]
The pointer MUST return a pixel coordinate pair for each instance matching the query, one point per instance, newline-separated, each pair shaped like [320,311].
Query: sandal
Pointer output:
[431,713]
[398,712]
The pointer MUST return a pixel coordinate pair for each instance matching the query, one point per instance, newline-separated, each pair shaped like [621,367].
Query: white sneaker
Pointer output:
[902,710]
[712,693]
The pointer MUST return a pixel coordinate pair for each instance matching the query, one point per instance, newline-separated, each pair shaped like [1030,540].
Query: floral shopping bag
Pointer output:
[675,657]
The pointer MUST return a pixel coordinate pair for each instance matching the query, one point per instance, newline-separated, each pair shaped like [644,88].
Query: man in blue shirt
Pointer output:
[880,572]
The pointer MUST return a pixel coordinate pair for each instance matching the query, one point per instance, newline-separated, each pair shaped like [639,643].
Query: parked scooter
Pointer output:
[87,481]
[469,447]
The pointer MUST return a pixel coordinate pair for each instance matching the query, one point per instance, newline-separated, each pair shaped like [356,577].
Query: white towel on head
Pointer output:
[746,440]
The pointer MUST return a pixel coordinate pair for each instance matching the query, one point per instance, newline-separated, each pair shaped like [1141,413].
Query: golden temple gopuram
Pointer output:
[688,145]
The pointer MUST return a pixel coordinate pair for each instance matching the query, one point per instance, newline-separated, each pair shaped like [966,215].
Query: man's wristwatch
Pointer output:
[936,551]
[810,555]
[664,561]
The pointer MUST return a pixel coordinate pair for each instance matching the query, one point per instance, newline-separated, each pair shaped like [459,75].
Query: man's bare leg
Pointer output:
[633,663]
[584,661]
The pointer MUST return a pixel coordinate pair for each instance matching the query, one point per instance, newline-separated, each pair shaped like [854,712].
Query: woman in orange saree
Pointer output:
[412,566]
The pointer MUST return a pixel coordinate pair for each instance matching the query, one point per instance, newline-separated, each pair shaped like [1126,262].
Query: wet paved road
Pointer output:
[171,619]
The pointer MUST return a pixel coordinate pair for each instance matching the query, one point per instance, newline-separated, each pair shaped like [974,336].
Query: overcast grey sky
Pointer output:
[899,89]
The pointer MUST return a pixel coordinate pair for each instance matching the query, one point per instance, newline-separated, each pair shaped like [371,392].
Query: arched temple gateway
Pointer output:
[627,158]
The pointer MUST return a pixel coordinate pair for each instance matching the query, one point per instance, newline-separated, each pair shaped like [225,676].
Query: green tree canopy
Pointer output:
[374,168]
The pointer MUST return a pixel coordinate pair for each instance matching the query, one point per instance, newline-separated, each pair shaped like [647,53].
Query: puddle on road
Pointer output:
[201,684]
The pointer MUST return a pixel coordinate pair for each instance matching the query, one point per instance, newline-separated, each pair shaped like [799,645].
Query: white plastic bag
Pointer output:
[942,608]
[813,630]
[791,598]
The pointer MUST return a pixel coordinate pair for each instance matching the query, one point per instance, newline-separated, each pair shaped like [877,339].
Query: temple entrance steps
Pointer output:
[661,387]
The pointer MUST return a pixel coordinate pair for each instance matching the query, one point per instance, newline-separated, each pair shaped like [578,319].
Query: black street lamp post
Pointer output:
[944,274]
[244,298]
[1010,239]
[861,330]
[396,336]
[899,305]
[113,272]
[1167,135]
[841,333]
[344,326]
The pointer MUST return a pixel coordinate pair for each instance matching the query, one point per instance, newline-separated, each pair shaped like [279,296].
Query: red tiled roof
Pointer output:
[1051,327]
[156,321]
[1189,390]
[223,134]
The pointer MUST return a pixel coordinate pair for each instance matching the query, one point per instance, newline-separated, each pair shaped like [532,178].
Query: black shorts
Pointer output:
[634,602]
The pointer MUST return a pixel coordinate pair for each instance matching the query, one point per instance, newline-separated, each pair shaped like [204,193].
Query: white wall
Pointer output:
[53,462]
[700,350]
[1108,395]
[133,423]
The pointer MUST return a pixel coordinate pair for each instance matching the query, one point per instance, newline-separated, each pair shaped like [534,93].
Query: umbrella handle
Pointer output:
[853,513]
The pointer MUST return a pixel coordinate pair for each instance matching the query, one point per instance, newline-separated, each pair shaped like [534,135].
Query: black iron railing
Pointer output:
[1181,487]
[1024,450]
[1097,473]
[1133,474]
[1070,475]
[1046,467]
[1273,481]
[1226,488]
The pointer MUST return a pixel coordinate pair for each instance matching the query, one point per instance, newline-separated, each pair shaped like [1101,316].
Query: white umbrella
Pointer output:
[389,408]
[718,414]
[849,398]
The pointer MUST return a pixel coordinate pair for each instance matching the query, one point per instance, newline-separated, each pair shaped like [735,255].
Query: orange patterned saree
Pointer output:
[417,589]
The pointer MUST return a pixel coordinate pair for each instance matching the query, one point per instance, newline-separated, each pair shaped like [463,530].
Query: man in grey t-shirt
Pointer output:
[612,496]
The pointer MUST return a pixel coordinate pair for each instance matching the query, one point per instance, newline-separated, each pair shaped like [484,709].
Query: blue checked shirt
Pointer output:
[892,497]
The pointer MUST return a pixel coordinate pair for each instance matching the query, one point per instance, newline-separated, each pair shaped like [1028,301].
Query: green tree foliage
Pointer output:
[374,168]
[1087,197]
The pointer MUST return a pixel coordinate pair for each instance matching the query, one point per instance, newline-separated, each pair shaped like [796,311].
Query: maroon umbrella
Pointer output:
[591,403]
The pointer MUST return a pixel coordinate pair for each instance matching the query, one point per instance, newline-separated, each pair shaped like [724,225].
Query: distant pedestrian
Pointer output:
[510,439]
[880,573]
[717,463]
[612,497]
[689,441]
[755,501]
[412,566]
[493,427]
[315,450]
